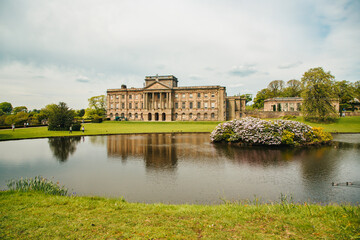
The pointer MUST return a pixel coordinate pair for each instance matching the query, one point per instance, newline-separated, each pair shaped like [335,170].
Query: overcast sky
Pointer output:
[52,51]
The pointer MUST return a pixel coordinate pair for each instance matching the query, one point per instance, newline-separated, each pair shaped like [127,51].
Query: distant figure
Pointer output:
[24,125]
[13,127]
[70,129]
[83,129]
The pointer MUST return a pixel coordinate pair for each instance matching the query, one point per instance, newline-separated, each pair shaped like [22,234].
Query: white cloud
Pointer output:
[89,46]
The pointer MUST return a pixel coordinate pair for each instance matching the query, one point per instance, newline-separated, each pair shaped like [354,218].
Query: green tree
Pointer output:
[293,88]
[276,87]
[98,103]
[317,93]
[6,107]
[60,117]
[261,96]
[19,109]
[345,91]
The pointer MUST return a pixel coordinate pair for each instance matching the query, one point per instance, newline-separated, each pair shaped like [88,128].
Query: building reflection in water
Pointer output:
[159,151]
[63,147]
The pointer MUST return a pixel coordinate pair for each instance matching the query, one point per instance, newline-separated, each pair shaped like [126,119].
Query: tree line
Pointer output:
[56,116]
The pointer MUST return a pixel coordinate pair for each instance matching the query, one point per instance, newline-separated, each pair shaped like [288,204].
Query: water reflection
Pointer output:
[63,147]
[160,151]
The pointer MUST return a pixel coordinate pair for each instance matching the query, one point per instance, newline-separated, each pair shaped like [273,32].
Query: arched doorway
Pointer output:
[156,116]
[163,117]
[149,117]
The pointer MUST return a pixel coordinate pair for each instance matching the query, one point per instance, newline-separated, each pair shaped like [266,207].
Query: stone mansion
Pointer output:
[162,100]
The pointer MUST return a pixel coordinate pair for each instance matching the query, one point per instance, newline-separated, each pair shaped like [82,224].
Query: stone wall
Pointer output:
[270,114]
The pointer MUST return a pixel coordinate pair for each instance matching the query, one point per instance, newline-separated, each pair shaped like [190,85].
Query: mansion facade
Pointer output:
[162,99]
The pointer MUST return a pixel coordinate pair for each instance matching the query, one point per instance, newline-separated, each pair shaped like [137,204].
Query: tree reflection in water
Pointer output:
[63,147]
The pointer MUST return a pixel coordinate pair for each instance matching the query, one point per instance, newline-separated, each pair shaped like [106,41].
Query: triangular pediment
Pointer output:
[157,85]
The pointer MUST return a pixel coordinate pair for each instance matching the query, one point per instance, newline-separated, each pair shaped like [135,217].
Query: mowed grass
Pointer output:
[111,127]
[38,216]
[342,125]
[347,124]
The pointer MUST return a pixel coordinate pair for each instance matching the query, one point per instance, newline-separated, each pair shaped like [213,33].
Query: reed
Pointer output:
[39,184]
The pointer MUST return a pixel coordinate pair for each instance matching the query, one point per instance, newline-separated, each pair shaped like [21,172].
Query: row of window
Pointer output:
[182,116]
[136,96]
[183,95]
[177,105]
[191,105]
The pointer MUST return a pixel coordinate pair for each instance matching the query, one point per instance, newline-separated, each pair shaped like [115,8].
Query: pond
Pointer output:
[187,168]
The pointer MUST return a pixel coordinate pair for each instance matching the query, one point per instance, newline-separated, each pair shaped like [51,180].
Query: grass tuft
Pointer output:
[38,184]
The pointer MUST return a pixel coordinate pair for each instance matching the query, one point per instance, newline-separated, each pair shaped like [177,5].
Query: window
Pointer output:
[198,116]
[213,115]
[122,105]
[205,95]
[176,105]
[136,96]
[111,106]
[129,115]
[291,105]
[199,95]
[205,116]
[212,105]
[198,104]
[111,97]
[117,106]
[176,95]
[130,96]
[183,95]
[183,105]
[190,95]
[122,96]
[212,95]
[136,115]
[191,105]
[205,105]
[190,116]
[117,96]
[130,105]
[136,105]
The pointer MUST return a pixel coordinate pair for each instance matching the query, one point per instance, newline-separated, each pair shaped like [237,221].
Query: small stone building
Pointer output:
[162,99]
[289,104]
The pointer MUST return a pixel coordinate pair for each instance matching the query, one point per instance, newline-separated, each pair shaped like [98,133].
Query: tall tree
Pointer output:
[60,117]
[97,107]
[6,107]
[317,93]
[20,109]
[261,96]
[345,91]
[276,87]
[293,88]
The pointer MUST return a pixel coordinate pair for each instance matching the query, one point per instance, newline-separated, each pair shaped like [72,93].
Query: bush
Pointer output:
[36,184]
[97,119]
[76,126]
[254,131]
[288,117]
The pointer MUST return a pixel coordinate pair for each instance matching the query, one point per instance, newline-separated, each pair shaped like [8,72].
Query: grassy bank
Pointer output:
[111,127]
[348,124]
[38,216]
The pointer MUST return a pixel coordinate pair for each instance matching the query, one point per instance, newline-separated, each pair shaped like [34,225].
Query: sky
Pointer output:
[70,50]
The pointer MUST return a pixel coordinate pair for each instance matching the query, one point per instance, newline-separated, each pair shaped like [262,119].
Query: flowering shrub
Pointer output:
[254,131]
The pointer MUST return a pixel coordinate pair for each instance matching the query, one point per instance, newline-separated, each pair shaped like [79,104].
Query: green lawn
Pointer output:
[39,216]
[347,124]
[111,127]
